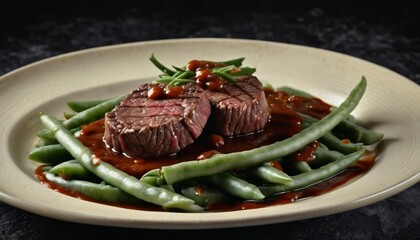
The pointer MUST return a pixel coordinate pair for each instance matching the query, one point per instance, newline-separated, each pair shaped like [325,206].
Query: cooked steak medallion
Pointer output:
[239,108]
[151,128]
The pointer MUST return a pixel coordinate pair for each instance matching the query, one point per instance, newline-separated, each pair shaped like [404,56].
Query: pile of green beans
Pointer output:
[238,176]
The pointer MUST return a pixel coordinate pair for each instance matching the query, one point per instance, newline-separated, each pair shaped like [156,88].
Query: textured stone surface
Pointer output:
[384,32]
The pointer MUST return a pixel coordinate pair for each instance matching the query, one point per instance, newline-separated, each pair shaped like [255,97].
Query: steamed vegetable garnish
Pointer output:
[206,136]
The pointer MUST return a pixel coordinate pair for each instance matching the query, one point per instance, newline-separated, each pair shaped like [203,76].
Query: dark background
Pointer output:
[383,32]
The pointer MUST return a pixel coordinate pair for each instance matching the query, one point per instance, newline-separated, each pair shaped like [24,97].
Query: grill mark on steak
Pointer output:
[140,126]
[240,108]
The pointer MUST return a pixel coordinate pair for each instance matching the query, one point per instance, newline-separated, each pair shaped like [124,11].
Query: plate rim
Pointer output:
[22,204]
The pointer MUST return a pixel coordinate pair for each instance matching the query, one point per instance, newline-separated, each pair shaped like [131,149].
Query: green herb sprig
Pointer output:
[180,75]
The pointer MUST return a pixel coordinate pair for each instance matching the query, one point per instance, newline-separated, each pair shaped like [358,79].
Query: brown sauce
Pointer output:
[284,123]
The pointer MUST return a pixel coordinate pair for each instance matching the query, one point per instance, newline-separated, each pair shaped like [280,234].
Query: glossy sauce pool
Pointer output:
[284,123]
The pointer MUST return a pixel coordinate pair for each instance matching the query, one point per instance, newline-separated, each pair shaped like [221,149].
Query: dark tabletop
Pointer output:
[383,32]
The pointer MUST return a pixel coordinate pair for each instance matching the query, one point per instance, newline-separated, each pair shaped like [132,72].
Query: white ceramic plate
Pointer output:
[390,105]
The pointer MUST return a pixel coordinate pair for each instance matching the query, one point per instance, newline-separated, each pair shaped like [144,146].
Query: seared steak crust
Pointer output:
[141,126]
[239,108]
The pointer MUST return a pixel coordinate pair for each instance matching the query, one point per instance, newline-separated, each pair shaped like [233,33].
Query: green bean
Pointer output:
[224,162]
[71,169]
[357,133]
[87,116]
[48,138]
[330,140]
[334,143]
[94,191]
[236,186]
[354,132]
[323,156]
[202,195]
[350,118]
[293,167]
[50,154]
[153,178]
[93,113]
[270,174]
[114,176]
[68,115]
[45,141]
[79,106]
[316,175]
[50,151]
[169,187]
